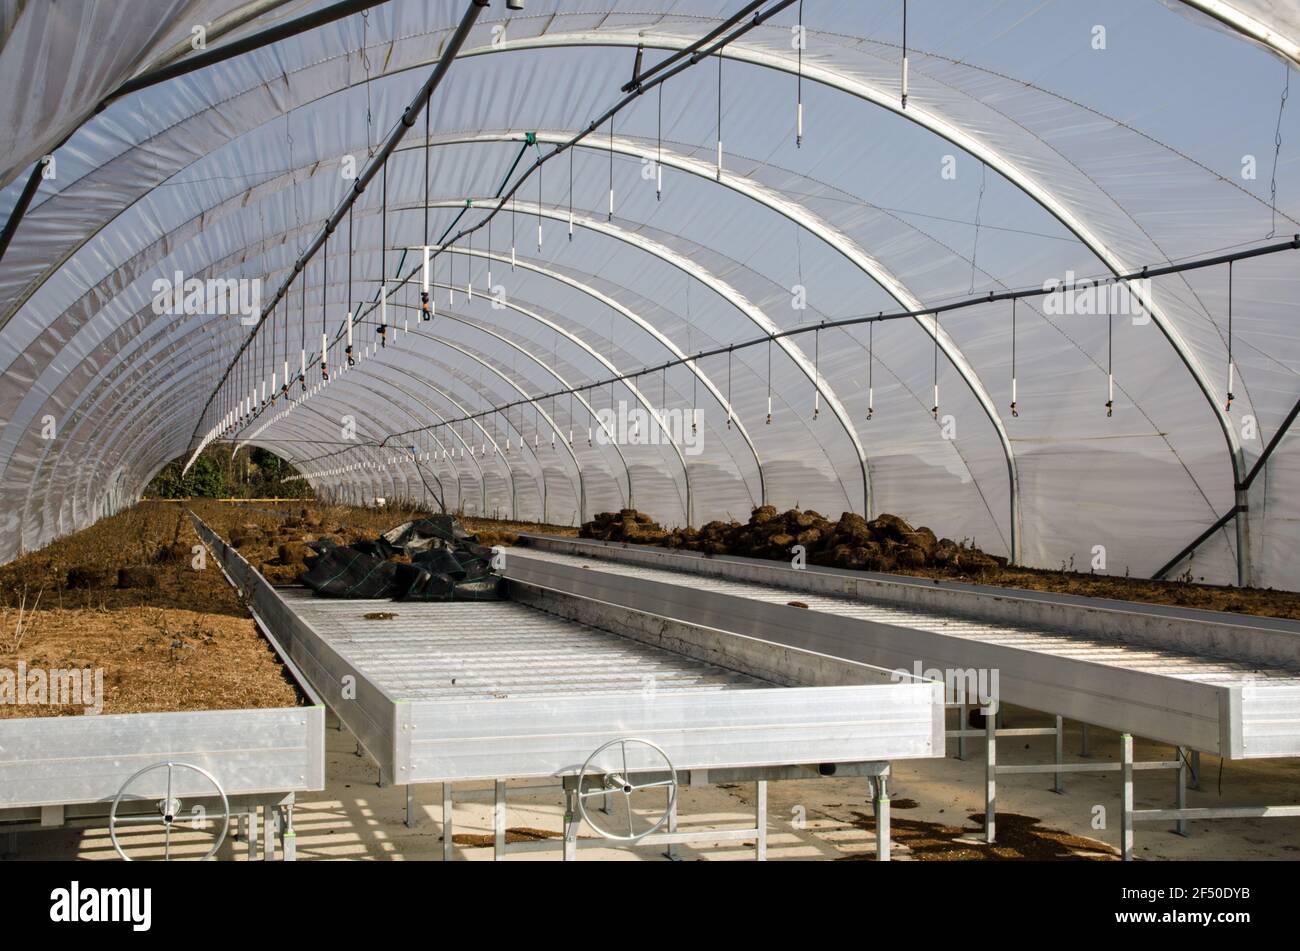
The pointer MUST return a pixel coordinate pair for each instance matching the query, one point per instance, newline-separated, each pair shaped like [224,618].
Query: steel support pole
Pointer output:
[760,820]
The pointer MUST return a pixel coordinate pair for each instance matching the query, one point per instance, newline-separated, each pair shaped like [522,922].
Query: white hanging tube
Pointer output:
[719,159]
[424,279]
[798,122]
[904,100]
[539,236]
[659,180]
[349,328]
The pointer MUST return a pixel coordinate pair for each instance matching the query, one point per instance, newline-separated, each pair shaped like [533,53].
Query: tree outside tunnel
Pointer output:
[248,473]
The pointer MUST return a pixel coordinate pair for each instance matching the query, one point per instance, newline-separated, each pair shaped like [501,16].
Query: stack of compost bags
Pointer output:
[433,559]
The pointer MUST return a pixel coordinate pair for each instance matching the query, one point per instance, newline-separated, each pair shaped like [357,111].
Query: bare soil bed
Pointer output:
[890,544]
[123,596]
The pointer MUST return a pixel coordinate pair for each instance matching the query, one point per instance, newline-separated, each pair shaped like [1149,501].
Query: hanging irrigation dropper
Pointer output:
[347,352]
[570,197]
[302,353]
[935,409]
[904,96]
[1228,408]
[871,369]
[539,202]
[284,385]
[1014,412]
[424,287]
[324,333]
[1110,366]
[798,114]
[817,356]
[659,154]
[729,387]
[719,115]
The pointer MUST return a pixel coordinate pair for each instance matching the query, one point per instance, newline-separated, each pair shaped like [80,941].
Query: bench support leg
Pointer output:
[990,778]
[881,801]
[447,846]
[1126,783]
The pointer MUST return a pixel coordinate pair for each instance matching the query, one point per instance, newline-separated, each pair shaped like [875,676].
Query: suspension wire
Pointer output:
[979,205]
[1277,149]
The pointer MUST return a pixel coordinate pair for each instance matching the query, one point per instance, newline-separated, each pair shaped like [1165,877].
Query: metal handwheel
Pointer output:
[596,781]
[169,809]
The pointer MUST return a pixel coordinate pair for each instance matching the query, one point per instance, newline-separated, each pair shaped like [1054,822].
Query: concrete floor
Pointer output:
[816,819]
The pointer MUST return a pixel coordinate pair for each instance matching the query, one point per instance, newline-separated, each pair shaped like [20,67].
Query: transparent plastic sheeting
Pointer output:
[1039,141]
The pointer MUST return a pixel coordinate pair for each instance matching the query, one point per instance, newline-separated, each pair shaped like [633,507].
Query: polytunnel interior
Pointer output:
[712,254]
